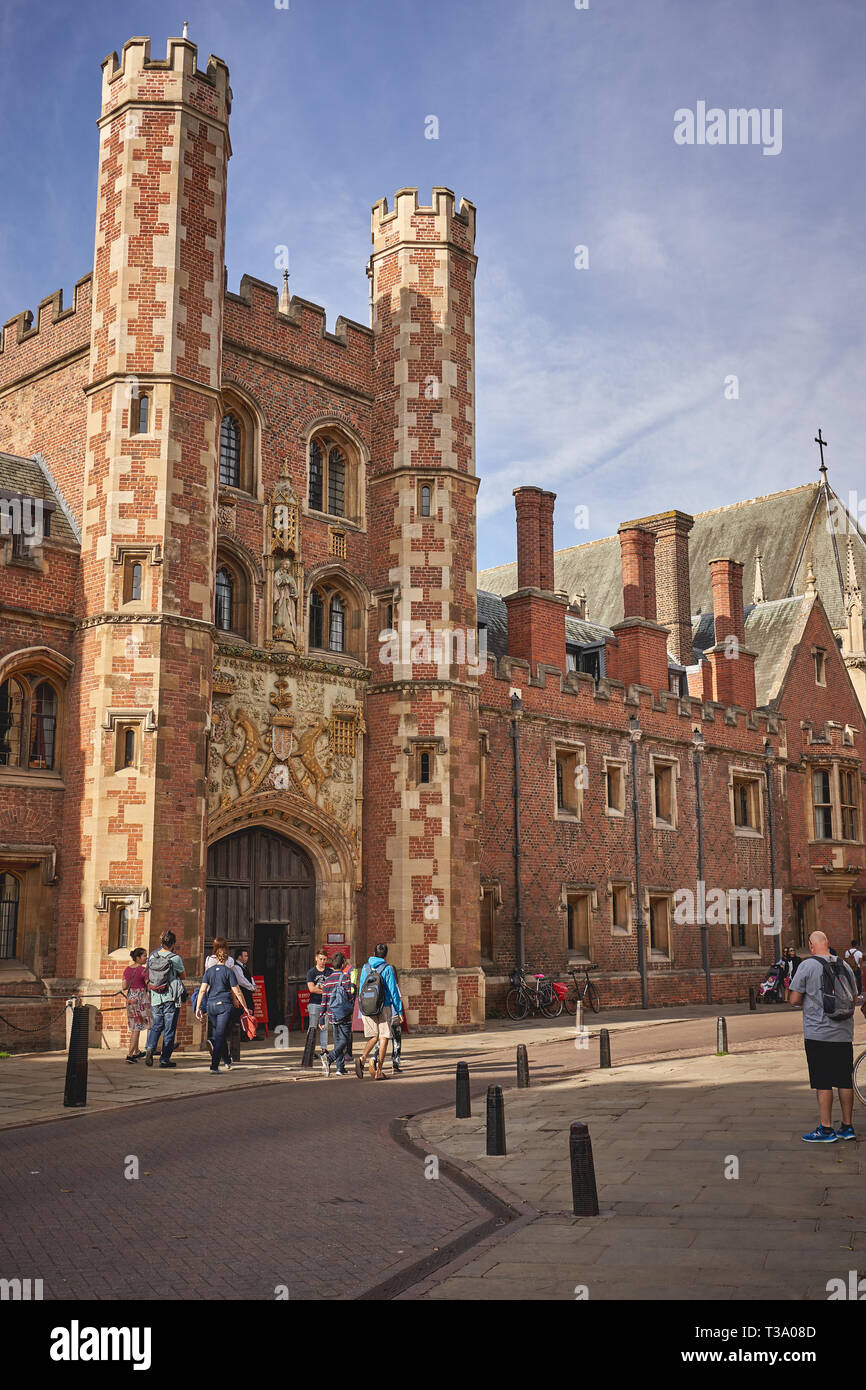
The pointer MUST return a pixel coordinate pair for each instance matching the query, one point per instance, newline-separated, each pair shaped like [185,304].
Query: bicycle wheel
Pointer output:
[592,998]
[571,1002]
[860,1078]
[516,1004]
[552,1007]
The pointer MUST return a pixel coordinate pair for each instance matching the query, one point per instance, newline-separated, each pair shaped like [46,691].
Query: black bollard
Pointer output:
[753,1002]
[75,1093]
[604,1048]
[309,1048]
[464,1103]
[722,1038]
[495,1121]
[583,1189]
[522,1067]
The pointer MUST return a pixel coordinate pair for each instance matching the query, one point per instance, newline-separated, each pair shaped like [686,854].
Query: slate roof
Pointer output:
[789,528]
[30,477]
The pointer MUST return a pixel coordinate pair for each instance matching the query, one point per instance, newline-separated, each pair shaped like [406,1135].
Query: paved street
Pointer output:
[313,1162]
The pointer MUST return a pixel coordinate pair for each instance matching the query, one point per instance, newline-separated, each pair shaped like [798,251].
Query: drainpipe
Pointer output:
[634,731]
[516,709]
[768,769]
[698,742]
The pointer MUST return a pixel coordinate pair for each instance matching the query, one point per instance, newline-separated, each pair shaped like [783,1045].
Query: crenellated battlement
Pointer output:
[409,221]
[254,320]
[131,78]
[608,696]
[29,341]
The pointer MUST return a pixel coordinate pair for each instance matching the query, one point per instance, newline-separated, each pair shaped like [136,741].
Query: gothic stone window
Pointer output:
[231,608]
[230,452]
[237,445]
[334,621]
[334,483]
[29,710]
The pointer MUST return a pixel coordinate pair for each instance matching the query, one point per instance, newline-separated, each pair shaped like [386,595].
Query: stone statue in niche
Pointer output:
[285,604]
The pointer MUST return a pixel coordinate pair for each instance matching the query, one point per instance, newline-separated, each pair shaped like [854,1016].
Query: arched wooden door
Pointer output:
[261,893]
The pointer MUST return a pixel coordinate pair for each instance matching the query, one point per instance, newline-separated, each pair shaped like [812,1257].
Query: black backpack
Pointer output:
[838,992]
[372,995]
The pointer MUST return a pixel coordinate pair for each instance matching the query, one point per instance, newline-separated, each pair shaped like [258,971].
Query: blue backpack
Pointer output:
[341,1001]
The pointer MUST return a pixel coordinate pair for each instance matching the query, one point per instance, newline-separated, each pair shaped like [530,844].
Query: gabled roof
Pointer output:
[31,478]
[789,528]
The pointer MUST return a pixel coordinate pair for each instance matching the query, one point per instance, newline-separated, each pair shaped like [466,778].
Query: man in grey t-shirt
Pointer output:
[829,1042]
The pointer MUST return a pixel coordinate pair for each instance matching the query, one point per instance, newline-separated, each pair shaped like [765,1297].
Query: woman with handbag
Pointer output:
[138,1011]
[218,991]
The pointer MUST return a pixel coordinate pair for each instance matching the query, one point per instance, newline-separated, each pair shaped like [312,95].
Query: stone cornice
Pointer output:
[135,619]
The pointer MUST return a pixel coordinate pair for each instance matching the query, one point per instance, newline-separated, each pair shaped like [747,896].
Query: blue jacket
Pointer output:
[389,980]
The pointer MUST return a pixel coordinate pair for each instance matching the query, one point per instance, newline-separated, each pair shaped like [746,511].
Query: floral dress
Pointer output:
[138,1010]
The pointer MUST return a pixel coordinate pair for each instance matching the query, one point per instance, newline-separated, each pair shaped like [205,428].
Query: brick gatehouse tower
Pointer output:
[243,682]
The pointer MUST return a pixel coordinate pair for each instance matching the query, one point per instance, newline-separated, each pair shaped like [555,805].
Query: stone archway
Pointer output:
[323,893]
[261,893]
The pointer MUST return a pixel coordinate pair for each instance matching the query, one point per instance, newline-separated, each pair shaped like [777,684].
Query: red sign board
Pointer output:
[260,1002]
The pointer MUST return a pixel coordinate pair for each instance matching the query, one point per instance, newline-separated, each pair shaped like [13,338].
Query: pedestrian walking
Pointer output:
[316,975]
[218,992]
[165,981]
[379,1003]
[397,1025]
[221,955]
[138,1011]
[827,991]
[338,1001]
[854,961]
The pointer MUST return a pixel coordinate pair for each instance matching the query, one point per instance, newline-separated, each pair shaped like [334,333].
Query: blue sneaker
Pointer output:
[821,1136]
[845,1132]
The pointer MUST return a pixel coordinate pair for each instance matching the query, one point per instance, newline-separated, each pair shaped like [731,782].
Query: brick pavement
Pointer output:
[311,1160]
[672,1224]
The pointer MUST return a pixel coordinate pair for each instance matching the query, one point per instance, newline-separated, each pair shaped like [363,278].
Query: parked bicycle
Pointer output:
[583,990]
[532,994]
[860,1078]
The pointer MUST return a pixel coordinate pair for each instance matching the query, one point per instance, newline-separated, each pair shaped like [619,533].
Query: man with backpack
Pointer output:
[827,990]
[378,1003]
[165,974]
[338,996]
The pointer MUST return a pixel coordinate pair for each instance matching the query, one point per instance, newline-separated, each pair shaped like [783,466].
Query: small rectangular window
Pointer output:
[820,658]
[577,926]
[619,906]
[664,803]
[571,778]
[747,802]
[659,928]
[615,779]
[140,413]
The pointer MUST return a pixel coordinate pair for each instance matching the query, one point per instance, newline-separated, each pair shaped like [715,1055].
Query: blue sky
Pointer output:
[605,384]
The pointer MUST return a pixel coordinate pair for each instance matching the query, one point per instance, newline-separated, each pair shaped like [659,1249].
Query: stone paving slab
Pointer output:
[672,1226]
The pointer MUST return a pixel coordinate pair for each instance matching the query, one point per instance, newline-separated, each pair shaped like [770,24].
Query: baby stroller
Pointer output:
[771,989]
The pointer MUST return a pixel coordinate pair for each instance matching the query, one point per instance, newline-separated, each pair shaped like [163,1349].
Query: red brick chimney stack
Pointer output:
[536,615]
[673,586]
[545,542]
[638,572]
[640,655]
[733,667]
